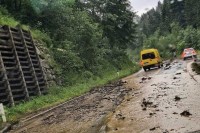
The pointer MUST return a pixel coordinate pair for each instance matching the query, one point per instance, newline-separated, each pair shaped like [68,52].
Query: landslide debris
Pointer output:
[146,103]
[143,79]
[97,102]
[92,106]
[186,113]
[177,98]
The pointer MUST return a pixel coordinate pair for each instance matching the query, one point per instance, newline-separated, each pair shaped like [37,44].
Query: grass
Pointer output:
[196,68]
[61,94]
[7,20]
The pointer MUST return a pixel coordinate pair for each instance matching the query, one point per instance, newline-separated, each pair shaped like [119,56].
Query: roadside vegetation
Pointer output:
[196,67]
[87,41]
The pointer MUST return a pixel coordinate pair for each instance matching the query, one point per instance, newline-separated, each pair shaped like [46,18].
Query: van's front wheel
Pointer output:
[145,69]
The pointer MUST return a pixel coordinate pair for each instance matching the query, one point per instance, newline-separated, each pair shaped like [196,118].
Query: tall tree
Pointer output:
[116,19]
[166,17]
[177,11]
[151,21]
[192,12]
[118,23]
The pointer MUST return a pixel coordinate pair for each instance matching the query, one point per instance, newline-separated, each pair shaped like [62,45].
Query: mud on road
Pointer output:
[159,101]
[84,114]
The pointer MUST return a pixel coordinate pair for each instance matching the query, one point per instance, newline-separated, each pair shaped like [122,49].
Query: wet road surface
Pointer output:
[159,101]
[167,101]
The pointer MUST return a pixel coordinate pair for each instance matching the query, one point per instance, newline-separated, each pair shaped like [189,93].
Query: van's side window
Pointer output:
[148,56]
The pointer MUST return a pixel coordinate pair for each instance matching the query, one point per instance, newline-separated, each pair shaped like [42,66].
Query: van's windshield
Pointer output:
[148,56]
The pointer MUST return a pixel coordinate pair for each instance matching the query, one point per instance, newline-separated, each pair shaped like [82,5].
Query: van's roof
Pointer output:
[148,50]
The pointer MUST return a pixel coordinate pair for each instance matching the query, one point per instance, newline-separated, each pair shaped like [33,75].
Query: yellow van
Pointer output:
[150,58]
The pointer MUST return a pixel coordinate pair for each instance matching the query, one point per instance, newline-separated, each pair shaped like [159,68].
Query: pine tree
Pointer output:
[177,12]
[93,7]
[150,21]
[192,12]
[118,23]
[166,17]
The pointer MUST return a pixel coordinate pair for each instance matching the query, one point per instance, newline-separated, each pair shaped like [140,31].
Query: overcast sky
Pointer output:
[140,6]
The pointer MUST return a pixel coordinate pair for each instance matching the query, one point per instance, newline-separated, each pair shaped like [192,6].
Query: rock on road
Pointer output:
[163,100]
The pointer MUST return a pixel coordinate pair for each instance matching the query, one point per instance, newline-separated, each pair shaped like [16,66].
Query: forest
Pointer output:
[172,26]
[86,38]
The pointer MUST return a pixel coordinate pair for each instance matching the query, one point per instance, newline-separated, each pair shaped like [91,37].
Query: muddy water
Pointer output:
[159,105]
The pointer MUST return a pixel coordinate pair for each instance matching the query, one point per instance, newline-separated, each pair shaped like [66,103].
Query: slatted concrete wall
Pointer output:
[21,74]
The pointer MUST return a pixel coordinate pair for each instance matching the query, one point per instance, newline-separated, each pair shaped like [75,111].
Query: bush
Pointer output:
[6,19]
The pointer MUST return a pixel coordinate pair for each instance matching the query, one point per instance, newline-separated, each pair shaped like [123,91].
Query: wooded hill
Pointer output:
[87,38]
[173,24]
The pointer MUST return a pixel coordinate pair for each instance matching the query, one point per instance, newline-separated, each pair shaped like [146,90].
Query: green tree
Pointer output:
[177,11]
[116,19]
[118,23]
[166,17]
[192,12]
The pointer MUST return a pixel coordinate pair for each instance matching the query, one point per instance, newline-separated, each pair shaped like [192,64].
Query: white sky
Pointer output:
[140,6]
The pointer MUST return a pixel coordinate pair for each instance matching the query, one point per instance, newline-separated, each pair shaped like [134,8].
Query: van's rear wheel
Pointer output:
[159,65]
[145,69]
